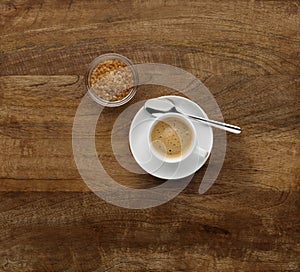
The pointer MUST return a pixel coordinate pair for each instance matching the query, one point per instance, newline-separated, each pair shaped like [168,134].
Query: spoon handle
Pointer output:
[220,125]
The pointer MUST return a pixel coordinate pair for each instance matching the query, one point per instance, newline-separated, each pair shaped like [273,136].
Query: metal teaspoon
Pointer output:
[160,106]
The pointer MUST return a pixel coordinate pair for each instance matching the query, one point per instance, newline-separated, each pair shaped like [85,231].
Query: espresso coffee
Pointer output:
[171,137]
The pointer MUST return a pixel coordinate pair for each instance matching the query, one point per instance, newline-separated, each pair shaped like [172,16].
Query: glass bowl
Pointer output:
[96,97]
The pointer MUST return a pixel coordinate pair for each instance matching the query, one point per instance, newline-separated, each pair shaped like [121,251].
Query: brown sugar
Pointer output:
[111,80]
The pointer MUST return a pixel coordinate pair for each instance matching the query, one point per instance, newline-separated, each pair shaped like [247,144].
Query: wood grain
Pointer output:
[206,38]
[246,52]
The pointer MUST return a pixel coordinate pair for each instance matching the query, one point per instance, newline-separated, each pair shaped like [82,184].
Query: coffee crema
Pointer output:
[171,137]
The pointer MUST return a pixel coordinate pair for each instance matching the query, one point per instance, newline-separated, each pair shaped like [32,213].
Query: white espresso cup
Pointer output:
[194,147]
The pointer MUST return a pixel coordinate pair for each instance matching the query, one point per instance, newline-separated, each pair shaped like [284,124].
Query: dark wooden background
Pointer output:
[248,55]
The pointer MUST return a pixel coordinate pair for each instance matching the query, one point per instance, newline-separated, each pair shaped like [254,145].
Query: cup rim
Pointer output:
[182,156]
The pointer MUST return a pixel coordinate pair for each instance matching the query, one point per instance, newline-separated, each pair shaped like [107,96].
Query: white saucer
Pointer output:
[138,134]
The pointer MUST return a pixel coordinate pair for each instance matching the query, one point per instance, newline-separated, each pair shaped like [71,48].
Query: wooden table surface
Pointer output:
[246,52]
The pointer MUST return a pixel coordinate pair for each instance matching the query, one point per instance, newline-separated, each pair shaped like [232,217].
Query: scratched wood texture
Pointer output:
[246,52]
